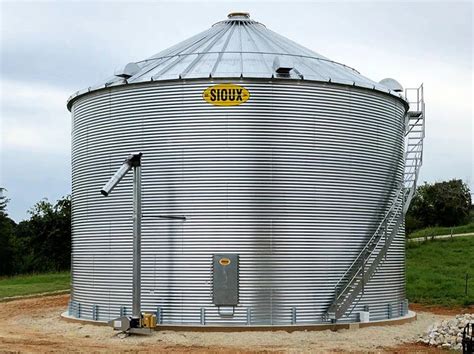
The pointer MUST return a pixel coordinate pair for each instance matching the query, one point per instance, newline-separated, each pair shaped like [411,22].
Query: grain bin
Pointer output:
[289,171]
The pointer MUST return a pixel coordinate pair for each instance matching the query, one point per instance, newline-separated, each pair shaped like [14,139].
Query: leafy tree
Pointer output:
[439,204]
[7,228]
[3,202]
[44,241]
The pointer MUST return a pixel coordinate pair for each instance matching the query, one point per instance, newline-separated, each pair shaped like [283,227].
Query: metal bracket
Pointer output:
[170,217]
[226,310]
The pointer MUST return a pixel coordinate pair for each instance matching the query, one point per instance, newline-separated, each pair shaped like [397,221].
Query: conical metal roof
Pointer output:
[238,47]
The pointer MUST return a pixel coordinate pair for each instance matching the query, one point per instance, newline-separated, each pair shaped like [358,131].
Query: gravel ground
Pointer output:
[33,325]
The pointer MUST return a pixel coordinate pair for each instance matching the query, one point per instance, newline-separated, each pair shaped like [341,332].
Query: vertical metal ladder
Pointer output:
[352,283]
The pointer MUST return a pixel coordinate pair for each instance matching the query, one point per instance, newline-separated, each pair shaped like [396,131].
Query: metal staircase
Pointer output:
[352,283]
[414,135]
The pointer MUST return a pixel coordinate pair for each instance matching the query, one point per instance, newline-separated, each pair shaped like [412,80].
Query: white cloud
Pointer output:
[34,117]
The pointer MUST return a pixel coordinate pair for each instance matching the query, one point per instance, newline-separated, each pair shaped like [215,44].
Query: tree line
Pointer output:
[42,243]
[445,203]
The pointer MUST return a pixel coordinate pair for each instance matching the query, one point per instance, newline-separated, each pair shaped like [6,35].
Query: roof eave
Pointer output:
[376,87]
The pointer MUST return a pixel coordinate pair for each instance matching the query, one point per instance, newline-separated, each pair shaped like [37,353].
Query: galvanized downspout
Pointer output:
[137,227]
[133,160]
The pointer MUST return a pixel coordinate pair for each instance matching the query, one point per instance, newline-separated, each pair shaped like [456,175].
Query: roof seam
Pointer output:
[216,64]
[204,35]
[256,47]
[180,57]
[214,41]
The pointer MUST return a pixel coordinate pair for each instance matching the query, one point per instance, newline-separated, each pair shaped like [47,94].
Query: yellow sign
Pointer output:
[226,95]
[224,261]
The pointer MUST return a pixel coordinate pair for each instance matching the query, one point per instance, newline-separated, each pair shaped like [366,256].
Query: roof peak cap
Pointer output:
[238,15]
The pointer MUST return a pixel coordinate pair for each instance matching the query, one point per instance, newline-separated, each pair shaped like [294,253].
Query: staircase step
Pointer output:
[413,114]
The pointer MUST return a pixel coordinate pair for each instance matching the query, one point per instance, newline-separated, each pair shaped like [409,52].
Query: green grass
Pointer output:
[33,284]
[436,272]
[435,231]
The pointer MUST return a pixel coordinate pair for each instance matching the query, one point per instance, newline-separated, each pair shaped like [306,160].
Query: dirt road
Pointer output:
[34,325]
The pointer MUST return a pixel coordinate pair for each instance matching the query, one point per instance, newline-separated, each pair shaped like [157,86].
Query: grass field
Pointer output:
[436,271]
[33,284]
[436,231]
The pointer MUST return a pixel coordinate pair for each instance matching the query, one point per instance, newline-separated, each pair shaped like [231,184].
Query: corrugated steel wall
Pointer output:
[294,181]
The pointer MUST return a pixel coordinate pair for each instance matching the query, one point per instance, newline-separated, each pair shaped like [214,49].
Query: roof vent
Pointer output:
[392,84]
[283,65]
[128,71]
[238,14]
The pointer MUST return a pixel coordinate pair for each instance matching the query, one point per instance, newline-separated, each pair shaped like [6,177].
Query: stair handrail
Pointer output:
[363,250]
[335,306]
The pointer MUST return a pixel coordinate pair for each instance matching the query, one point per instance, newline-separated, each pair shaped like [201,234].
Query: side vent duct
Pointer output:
[127,71]
[282,65]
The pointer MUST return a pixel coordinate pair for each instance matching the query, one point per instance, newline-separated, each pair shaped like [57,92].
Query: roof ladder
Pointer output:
[351,284]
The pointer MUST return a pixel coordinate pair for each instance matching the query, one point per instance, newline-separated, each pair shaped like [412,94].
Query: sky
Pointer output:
[50,49]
